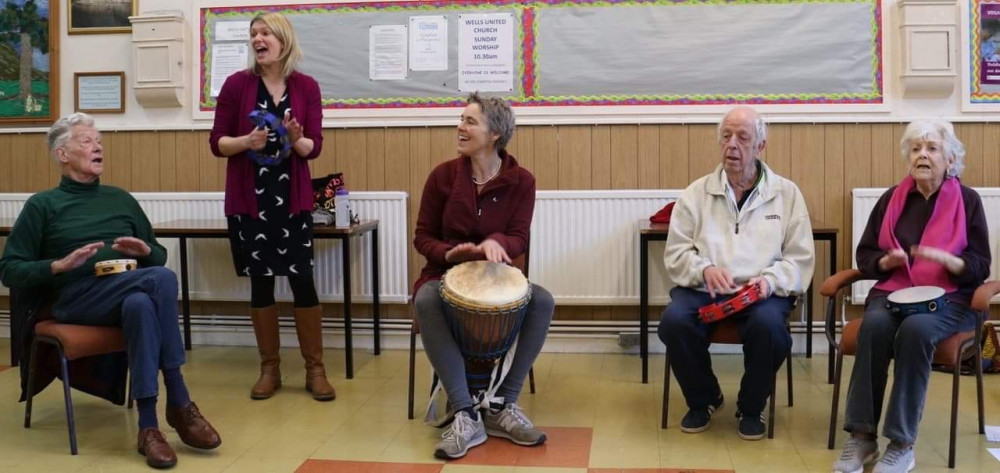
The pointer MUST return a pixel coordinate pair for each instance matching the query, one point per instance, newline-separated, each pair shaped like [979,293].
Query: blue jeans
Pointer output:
[911,341]
[144,303]
[762,332]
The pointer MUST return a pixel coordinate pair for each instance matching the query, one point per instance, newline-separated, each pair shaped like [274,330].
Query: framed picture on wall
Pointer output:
[99,92]
[101,16]
[29,61]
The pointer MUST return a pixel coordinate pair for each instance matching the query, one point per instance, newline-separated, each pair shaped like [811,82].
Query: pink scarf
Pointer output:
[945,230]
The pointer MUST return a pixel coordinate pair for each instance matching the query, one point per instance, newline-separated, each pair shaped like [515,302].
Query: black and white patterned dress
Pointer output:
[274,242]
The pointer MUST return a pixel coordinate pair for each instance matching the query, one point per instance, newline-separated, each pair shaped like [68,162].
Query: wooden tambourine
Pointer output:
[114,266]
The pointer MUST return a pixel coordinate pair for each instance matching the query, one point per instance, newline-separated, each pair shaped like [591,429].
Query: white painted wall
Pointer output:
[82,53]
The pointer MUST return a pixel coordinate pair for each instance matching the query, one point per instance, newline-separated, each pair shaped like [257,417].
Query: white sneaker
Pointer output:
[463,434]
[857,453]
[511,424]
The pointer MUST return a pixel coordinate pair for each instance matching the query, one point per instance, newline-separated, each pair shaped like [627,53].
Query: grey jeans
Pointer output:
[446,357]
[911,341]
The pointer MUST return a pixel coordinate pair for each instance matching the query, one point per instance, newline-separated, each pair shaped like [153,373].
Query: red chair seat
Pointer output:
[79,341]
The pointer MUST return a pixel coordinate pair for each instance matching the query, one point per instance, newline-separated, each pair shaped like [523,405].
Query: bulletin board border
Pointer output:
[527,80]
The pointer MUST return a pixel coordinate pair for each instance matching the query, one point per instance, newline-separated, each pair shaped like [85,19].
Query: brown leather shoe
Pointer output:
[154,446]
[192,427]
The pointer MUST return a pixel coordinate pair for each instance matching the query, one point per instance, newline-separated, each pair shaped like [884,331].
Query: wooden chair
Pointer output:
[949,351]
[727,331]
[71,342]
[521,262]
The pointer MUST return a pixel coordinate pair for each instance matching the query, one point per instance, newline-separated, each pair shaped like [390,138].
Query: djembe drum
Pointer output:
[484,304]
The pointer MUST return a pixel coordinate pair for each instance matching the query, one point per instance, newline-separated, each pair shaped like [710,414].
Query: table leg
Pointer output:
[809,319]
[833,270]
[644,306]
[348,345]
[185,294]
[375,290]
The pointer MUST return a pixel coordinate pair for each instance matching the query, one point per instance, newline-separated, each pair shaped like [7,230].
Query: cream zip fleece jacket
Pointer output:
[771,236]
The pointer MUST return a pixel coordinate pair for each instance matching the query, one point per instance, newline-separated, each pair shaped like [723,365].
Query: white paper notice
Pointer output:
[995,452]
[992,433]
[486,52]
[387,52]
[226,60]
[232,31]
[428,43]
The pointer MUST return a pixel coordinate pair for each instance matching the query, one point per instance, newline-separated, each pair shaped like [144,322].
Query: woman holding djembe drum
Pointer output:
[478,207]
[926,234]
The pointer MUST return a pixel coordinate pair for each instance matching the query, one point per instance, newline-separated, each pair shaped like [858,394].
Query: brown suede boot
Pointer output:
[309,327]
[265,327]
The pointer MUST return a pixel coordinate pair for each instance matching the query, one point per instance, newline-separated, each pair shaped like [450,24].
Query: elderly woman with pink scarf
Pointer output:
[928,230]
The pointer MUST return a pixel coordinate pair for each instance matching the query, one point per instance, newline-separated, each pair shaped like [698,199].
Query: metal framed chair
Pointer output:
[727,331]
[949,351]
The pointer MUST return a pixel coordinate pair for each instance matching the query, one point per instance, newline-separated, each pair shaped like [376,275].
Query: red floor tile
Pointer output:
[652,470]
[325,466]
[567,447]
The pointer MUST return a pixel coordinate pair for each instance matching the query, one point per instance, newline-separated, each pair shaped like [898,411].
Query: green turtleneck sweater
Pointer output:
[56,222]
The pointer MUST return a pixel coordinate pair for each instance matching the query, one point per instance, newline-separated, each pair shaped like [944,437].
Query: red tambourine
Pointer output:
[745,297]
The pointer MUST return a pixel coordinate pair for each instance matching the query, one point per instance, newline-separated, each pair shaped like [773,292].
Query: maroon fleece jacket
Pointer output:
[451,212]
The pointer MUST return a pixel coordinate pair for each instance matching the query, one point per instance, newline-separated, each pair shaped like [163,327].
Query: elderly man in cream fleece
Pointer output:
[741,224]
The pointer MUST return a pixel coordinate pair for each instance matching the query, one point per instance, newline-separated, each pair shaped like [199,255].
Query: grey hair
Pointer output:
[952,147]
[760,129]
[62,129]
[499,117]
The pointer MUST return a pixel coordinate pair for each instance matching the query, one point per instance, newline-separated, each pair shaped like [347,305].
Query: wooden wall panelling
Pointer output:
[376,159]
[186,146]
[971,136]
[420,167]
[208,165]
[145,154]
[19,164]
[625,157]
[6,163]
[600,158]
[991,154]
[673,157]
[574,158]
[168,160]
[648,142]
[778,150]
[884,154]
[705,153]
[833,203]
[546,157]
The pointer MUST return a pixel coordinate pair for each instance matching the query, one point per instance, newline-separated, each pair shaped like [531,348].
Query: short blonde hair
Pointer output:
[291,53]
[952,147]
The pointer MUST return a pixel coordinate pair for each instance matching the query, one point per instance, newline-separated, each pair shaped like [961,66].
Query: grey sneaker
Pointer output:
[463,434]
[857,453]
[896,460]
[511,424]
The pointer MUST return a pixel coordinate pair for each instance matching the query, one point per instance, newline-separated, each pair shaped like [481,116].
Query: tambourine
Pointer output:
[916,300]
[263,119]
[114,266]
[745,297]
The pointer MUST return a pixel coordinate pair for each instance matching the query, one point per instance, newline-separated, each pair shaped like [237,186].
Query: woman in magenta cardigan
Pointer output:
[269,192]
[478,207]
[929,230]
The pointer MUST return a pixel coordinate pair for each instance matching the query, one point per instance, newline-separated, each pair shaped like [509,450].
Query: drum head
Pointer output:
[485,283]
[915,294]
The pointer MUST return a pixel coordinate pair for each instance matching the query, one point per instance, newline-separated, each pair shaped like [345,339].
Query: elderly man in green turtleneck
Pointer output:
[57,239]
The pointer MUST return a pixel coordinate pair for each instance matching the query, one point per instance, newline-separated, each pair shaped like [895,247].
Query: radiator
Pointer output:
[210,265]
[585,246]
[864,200]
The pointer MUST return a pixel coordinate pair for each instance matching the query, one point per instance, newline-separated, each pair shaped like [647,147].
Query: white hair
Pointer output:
[760,128]
[62,130]
[952,147]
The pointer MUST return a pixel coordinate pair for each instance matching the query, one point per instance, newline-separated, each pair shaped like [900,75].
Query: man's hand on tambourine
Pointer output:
[76,258]
[762,286]
[131,246]
[718,280]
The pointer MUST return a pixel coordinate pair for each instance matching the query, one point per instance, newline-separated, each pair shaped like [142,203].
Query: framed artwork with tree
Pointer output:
[29,61]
